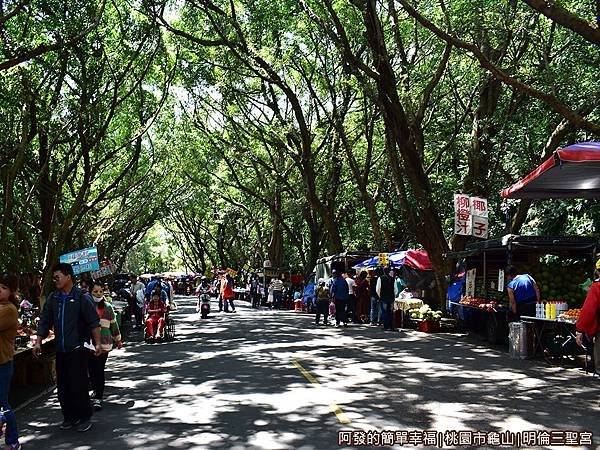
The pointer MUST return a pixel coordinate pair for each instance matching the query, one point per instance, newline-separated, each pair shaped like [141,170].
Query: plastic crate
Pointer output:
[429,326]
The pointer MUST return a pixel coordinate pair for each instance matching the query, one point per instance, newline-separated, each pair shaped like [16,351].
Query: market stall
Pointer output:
[477,296]
[571,172]
[29,370]
[341,262]
[554,339]
[414,268]
[416,271]
[267,275]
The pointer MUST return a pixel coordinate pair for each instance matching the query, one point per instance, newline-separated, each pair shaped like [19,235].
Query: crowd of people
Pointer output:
[364,298]
[85,330]
[346,297]
[85,326]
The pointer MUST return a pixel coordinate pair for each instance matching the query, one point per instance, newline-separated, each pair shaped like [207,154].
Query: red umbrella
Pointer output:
[571,172]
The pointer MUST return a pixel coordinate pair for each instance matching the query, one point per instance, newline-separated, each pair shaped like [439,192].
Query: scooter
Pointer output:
[204,304]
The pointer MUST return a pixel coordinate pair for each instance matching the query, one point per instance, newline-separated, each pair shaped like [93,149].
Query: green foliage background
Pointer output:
[253,130]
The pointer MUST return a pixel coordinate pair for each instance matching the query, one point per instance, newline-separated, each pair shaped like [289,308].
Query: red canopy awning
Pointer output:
[418,259]
[571,172]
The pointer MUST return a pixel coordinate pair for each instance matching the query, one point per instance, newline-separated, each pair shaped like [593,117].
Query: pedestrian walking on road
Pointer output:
[218,291]
[72,314]
[339,291]
[136,286]
[8,331]
[227,293]
[363,298]
[322,294]
[375,303]
[351,309]
[110,337]
[157,289]
[277,287]
[255,292]
[387,291]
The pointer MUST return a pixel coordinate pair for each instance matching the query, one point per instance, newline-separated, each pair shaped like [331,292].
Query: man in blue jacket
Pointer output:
[72,314]
[339,291]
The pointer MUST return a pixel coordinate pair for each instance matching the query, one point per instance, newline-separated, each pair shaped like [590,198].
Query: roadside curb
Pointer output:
[29,401]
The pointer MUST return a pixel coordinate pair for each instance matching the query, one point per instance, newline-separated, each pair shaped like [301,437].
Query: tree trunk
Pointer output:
[276,243]
[430,234]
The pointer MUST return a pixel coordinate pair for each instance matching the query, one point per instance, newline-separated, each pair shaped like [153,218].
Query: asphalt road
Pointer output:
[273,380]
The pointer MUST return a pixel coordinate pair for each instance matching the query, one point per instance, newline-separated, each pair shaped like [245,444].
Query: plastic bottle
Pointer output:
[553,310]
[547,310]
[559,307]
[538,309]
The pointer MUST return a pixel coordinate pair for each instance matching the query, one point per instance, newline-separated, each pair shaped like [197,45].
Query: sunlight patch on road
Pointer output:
[200,439]
[160,376]
[125,383]
[334,407]
[273,439]
[215,330]
[449,416]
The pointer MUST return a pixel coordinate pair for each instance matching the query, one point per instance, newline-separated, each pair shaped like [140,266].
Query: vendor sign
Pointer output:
[383,259]
[470,283]
[479,214]
[470,216]
[106,268]
[462,215]
[85,260]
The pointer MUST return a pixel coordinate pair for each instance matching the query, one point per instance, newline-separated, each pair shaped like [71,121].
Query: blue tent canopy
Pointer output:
[395,258]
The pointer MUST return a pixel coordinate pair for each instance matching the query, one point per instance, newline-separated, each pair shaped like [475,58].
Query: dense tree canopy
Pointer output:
[285,130]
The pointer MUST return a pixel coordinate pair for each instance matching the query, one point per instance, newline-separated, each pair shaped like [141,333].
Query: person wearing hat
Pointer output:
[322,295]
[588,324]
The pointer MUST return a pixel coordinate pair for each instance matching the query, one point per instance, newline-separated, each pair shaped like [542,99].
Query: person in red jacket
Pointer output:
[155,323]
[589,318]
[227,293]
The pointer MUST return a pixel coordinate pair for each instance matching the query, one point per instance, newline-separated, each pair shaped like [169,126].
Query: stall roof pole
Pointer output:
[485,291]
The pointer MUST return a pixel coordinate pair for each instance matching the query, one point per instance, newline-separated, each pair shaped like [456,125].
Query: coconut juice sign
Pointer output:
[470,216]
[84,260]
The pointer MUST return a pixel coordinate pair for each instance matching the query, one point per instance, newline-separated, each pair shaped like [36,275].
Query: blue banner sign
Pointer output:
[85,260]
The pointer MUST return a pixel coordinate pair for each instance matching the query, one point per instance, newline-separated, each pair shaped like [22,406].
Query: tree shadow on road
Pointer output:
[229,383]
